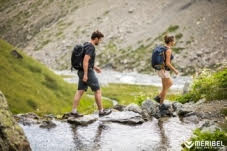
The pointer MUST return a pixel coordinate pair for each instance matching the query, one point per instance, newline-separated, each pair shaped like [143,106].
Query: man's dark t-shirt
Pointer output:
[89,49]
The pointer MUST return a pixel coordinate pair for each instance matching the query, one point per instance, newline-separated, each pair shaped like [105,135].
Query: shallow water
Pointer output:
[110,76]
[164,134]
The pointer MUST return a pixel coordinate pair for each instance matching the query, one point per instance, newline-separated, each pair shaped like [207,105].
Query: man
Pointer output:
[87,75]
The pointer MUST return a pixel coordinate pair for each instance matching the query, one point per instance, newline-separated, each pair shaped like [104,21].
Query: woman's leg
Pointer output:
[167,84]
[162,88]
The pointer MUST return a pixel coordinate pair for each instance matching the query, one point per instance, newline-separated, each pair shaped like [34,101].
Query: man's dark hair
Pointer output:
[96,34]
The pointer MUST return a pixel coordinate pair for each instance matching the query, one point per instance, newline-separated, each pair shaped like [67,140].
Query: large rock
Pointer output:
[85,120]
[126,117]
[48,124]
[28,118]
[134,108]
[150,107]
[12,137]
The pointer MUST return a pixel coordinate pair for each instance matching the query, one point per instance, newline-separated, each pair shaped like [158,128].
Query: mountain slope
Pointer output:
[48,30]
[31,87]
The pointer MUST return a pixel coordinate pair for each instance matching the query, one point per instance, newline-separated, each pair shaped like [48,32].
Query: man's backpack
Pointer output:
[158,57]
[77,57]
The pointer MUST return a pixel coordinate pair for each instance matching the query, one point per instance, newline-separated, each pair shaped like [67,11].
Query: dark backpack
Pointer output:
[77,57]
[158,57]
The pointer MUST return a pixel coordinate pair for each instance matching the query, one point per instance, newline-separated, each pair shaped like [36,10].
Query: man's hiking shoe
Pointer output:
[163,107]
[76,114]
[157,99]
[105,112]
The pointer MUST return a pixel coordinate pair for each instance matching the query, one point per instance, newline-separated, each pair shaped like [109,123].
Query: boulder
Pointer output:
[150,107]
[12,137]
[191,119]
[83,121]
[27,118]
[134,108]
[209,126]
[119,107]
[177,106]
[125,117]
[48,124]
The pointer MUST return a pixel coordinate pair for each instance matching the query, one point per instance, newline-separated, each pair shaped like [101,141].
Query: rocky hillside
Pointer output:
[48,30]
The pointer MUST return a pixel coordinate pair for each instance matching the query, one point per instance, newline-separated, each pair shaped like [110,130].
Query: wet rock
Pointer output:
[66,115]
[48,124]
[208,125]
[12,137]
[134,108]
[27,118]
[177,106]
[125,117]
[119,107]
[150,107]
[85,120]
[191,119]
[49,116]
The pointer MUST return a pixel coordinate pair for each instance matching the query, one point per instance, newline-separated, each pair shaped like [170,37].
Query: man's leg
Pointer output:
[76,101]
[98,99]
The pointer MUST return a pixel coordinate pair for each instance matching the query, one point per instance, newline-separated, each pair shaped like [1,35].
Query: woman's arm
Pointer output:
[168,63]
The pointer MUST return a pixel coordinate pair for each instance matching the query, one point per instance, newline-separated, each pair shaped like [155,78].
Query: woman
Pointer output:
[164,73]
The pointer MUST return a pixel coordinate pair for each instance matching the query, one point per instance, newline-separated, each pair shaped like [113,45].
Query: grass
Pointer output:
[127,93]
[208,85]
[31,87]
[207,136]
[172,28]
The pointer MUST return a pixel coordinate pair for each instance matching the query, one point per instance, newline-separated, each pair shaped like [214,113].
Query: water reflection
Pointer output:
[163,134]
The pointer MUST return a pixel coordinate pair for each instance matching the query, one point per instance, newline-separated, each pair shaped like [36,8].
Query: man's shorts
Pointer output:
[163,73]
[92,81]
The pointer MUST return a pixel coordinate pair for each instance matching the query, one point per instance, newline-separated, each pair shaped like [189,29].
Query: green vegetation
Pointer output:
[208,85]
[177,49]
[31,87]
[178,36]
[172,28]
[126,94]
[207,136]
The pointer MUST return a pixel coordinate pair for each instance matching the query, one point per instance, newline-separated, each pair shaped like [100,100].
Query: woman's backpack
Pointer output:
[158,57]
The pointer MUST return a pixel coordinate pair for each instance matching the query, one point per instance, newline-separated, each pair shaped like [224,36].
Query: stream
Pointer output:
[156,135]
[110,76]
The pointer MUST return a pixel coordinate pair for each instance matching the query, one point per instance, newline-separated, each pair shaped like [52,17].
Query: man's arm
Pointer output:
[97,69]
[85,67]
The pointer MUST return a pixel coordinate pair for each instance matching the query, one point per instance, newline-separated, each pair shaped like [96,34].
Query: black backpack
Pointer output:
[77,57]
[158,57]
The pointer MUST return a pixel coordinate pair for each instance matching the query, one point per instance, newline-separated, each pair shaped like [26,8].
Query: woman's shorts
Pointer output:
[163,73]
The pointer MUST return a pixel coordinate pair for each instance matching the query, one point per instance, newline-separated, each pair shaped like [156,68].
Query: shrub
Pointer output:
[207,136]
[208,85]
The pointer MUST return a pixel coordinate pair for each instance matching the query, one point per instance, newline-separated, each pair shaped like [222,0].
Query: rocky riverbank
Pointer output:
[131,127]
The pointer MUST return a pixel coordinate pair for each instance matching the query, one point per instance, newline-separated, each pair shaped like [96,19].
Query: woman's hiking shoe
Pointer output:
[157,99]
[163,107]
[105,112]
[76,114]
